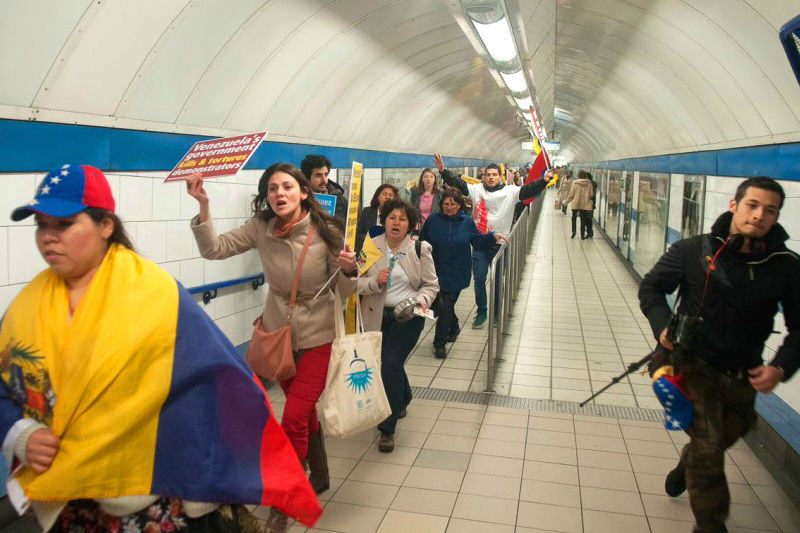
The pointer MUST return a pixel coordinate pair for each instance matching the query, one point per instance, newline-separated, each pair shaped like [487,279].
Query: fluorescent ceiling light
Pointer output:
[524,103]
[562,114]
[552,146]
[515,82]
[497,39]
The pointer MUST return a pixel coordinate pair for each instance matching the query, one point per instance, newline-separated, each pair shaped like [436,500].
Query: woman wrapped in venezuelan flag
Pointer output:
[122,405]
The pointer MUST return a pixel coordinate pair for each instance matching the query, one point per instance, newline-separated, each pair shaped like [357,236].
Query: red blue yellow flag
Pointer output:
[147,395]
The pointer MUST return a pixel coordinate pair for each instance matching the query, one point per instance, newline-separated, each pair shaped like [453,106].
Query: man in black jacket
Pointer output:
[730,283]
[317,168]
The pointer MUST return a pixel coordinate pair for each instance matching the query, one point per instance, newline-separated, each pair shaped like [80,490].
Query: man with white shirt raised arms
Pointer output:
[493,210]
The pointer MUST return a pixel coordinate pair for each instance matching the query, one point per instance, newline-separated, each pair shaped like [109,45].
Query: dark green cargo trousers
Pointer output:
[724,410]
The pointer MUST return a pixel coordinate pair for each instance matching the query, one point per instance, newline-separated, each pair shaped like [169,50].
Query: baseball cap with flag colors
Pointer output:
[67,191]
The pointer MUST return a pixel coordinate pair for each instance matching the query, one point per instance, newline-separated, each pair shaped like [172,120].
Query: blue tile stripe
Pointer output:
[673,235]
[783,419]
[41,146]
[778,161]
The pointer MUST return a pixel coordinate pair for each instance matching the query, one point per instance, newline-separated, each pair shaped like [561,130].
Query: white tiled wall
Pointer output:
[372,178]
[675,202]
[634,223]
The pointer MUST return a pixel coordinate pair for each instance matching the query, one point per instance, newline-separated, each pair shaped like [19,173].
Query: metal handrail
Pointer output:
[209,290]
[513,265]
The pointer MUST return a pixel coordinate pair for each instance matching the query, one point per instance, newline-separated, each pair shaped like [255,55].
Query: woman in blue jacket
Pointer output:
[451,232]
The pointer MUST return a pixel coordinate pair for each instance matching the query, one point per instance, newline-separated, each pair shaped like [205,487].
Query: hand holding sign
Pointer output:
[194,186]
[347,261]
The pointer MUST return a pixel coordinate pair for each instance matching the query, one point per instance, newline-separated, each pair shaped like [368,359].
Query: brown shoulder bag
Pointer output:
[270,353]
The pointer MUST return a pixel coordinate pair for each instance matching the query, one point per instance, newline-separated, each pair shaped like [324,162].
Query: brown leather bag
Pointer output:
[270,353]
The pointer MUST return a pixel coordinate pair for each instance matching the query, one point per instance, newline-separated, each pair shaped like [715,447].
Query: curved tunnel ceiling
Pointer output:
[637,77]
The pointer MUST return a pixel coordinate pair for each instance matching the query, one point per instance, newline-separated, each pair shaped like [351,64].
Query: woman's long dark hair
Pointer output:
[119,235]
[328,227]
[421,185]
[374,202]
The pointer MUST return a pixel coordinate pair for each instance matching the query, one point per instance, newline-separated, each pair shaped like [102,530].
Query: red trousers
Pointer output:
[302,392]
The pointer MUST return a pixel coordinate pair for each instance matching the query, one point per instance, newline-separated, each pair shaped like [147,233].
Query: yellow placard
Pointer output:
[350,236]
[473,181]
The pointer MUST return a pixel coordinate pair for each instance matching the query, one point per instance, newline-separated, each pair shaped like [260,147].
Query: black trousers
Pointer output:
[399,339]
[447,322]
[586,222]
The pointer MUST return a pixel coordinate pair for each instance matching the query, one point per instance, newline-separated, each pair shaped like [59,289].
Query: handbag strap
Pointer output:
[293,299]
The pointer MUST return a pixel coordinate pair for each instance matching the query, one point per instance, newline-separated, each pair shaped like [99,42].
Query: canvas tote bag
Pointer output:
[354,398]
[270,353]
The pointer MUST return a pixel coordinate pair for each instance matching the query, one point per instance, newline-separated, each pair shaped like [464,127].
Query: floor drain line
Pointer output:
[553,406]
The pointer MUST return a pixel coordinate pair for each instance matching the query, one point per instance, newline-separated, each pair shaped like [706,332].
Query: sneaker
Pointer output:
[439,352]
[676,481]
[480,320]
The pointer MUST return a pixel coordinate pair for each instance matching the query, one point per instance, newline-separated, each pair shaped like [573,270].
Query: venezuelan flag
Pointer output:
[146,394]
[540,165]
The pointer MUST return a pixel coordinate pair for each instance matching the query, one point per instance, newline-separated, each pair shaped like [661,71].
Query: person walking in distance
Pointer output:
[580,201]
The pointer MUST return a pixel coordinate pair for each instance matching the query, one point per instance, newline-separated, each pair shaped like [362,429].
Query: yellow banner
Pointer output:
[350,236]
[473,181]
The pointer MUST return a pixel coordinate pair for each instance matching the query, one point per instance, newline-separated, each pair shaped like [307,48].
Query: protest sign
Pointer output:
[327,201]
[350,236]
[217,157]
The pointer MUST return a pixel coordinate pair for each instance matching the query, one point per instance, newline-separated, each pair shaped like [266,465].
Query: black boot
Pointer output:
[675,484]
[319,476]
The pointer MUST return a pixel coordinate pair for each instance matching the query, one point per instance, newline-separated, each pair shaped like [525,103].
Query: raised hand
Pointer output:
[194,186]
[437,158]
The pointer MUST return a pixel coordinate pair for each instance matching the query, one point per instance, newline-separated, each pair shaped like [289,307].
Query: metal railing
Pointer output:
[508,264]
[209,291]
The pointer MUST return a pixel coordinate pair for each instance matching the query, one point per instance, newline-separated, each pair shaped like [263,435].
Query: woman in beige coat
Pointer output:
[581,203]
[284,211]
[405,270]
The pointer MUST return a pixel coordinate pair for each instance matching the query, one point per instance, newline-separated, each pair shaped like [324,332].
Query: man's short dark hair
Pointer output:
[411,212]
[492,165]
[312,161]
[760,182]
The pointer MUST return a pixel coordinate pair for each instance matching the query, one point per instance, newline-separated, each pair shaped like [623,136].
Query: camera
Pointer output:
[685,330]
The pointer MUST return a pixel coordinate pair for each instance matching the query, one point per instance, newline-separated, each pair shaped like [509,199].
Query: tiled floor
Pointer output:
[582,326]
[462,467]
[470,468]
